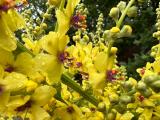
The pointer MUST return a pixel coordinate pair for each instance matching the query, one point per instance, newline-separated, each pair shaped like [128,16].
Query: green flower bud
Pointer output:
[126,31]
[111,116]
[102,107]
[128,84]
[76,38]
[132,11]
[121,5]
[147,93]
[151,78]
[114,50]
[153,54]
[86,38]
[37,28]
[114,13]
[125,99]
[44,25]
[141,86]
[106,34]
[113,98]
[38,20]
[47,16]
[156,84]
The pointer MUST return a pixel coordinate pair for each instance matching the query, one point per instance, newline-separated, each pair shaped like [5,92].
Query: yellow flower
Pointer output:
[71,112]
[32,103]
[14,82]
[23,63]
[52,63]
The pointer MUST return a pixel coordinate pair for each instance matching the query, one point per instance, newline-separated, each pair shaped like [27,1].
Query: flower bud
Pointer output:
[156,84]
[121,5]
[114,32]
[106,34]
[114,13]
[37,28]
[111,116]
[151,78]
[128,84]
[47,16]
[102,107]
[147,93]
[132,11]
[44,25]
[125,99]
[113,98]
[86,38]
[113,50]
[141,86]
[126,31]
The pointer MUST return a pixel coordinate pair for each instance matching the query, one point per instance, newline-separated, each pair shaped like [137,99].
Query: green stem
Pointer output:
[124,13]
[72,84]
[23,48]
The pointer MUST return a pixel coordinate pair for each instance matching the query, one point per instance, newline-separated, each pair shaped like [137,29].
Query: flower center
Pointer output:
[9,69]
[111,75]
[70,109]
[63,56]
[78,64]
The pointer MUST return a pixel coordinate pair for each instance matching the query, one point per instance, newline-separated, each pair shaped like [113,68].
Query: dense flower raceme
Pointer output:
[30,74]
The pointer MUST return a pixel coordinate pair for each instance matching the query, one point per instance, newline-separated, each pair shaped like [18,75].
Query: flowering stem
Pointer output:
[124,13]
[72,84]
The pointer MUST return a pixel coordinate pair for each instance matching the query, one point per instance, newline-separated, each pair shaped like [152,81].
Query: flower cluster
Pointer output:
[44,78]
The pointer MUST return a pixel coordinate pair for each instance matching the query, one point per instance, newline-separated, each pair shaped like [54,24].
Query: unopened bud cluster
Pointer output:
[157,34]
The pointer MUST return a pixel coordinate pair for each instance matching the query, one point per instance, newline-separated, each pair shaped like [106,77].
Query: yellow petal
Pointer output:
[50,43]
[14,81]
[4,98]
[146,115]
[17,101]
[51,66]
[13,20]
[63,22]
[7,38]
[24,63]
[43,95]
[39,113]
[127,116]
[7,58]
[100,62]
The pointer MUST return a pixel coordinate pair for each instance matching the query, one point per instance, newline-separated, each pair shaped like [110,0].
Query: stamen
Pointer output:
[63,56]
[111,75]
[9,69]
[70,109]
[27,105]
